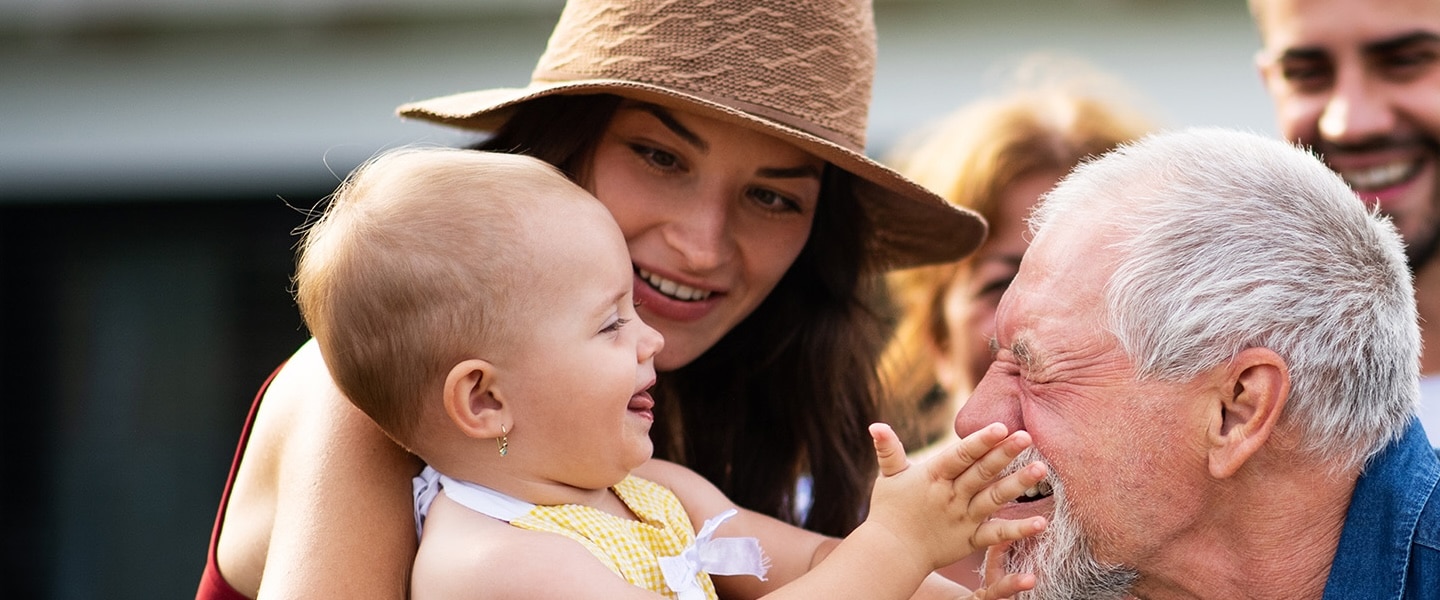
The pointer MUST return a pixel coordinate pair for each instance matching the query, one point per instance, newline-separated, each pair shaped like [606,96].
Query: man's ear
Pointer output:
[1264,67]
[470,402]
[1256,387]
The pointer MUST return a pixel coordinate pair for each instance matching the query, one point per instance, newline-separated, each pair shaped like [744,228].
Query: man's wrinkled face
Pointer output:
[1123,454]
[1359,81]
[1061,556]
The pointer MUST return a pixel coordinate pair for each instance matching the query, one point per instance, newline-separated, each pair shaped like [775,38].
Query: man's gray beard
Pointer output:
[1424,246]
[1421,251]
[1065,567]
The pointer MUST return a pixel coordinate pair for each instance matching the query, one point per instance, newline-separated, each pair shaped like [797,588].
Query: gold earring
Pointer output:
[503,442]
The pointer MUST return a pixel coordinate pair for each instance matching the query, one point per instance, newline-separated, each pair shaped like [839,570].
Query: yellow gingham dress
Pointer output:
[632,549]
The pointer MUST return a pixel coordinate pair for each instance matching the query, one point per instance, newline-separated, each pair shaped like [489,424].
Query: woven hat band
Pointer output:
[730,105]
[815,76]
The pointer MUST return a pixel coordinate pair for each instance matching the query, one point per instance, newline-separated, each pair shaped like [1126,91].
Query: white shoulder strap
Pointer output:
[473,496]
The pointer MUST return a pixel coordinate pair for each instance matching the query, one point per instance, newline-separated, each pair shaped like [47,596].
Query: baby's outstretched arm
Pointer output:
[926,516]
[922,517]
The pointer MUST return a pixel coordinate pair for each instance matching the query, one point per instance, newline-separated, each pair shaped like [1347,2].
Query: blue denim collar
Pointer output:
[1375,549]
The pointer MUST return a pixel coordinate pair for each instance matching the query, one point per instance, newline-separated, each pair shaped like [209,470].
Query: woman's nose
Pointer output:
[701,233]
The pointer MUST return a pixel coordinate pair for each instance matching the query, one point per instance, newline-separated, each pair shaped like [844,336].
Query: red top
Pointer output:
[212,584]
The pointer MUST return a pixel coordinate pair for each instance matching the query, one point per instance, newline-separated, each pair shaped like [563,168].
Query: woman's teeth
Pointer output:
[672,289]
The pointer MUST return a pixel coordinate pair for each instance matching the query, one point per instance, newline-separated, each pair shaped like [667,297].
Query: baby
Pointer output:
[478,307]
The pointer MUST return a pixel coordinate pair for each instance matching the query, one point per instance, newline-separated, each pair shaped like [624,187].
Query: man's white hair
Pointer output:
[1226,240]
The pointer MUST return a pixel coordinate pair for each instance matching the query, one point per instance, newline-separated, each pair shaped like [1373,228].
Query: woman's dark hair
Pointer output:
[560,130]
[789,391]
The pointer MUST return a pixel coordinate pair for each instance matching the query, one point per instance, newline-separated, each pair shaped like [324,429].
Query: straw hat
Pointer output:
[799,70]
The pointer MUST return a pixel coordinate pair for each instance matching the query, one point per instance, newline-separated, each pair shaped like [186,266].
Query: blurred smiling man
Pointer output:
[1359,82]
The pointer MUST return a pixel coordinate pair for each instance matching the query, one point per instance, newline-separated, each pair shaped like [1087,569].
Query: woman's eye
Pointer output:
[656,156]
[994,287]
[774,200]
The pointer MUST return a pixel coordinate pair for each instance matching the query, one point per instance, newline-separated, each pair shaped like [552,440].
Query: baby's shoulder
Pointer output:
[460,550]
[456,537]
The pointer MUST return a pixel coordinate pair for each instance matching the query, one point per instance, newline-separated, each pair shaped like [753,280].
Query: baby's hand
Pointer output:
[997,583]
[941,507]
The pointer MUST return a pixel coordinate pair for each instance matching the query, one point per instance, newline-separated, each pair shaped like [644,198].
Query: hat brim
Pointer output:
[912,225]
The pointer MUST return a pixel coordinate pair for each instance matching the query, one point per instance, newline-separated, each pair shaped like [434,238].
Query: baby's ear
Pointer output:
[469,401]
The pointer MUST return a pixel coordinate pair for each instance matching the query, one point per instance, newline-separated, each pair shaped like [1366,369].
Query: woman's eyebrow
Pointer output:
[670,122]
[668,119]
[1009,260]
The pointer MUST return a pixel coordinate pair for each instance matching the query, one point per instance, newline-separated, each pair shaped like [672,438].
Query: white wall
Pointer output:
[1191,60]
[155,107]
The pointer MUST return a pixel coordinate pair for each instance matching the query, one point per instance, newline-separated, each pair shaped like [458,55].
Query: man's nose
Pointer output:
[1358,110]
[995,400]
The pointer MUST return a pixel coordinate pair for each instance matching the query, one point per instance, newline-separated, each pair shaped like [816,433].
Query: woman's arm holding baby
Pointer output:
[342,526]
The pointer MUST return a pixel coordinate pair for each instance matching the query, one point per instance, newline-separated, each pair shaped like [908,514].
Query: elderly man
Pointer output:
[1214,347]
[1359,81]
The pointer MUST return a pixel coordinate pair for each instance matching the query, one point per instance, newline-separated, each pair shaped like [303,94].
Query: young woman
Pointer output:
[727,140]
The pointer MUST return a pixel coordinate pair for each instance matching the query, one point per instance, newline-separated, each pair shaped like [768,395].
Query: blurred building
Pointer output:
[155,156]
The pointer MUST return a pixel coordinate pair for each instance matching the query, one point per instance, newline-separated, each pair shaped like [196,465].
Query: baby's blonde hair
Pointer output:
[415,266]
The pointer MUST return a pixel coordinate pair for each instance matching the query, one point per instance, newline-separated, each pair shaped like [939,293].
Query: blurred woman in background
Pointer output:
[996,156]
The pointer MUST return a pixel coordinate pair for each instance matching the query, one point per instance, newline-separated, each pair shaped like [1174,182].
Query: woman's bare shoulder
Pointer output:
[250,513]
[308,447]
[300,402]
